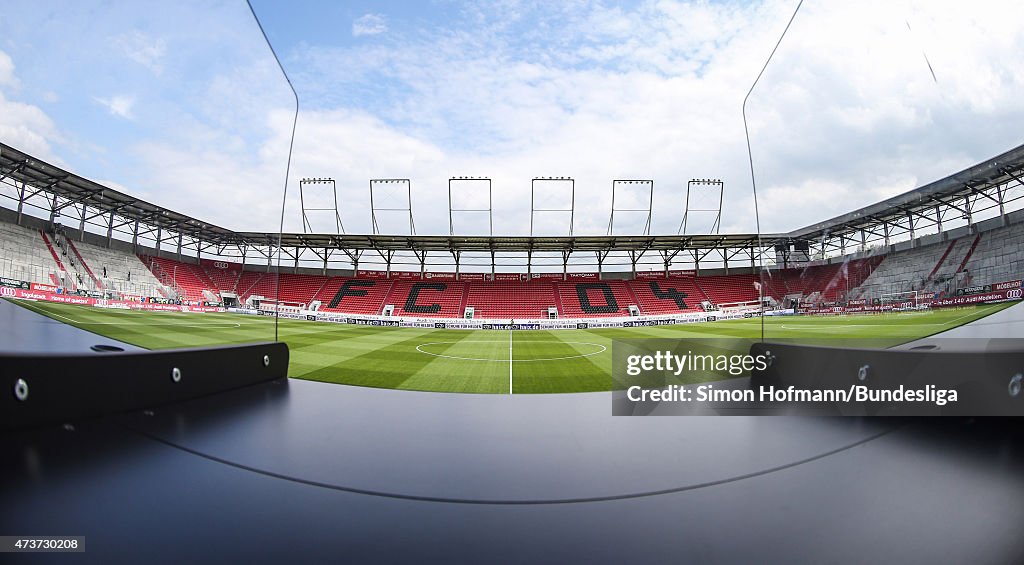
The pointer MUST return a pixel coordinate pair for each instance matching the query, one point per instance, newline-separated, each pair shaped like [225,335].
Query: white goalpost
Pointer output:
[901,299]
[270,305]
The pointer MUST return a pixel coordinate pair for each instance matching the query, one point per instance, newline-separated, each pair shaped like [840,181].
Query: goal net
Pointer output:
[900,300]
[741,306]
[284,306]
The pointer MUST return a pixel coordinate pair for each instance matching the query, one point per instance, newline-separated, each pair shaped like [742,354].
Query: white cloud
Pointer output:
[7,78]
[22,125]
[118,105]
[143,49]
[28,128]
[846,115]
[369,24]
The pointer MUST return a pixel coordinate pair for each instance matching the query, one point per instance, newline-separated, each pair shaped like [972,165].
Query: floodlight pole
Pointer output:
[715,183]
[650,203]
[307,226]
[374,209]
[572,200]
[489,209]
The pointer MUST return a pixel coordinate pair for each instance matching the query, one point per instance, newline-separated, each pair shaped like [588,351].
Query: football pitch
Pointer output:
[479,361]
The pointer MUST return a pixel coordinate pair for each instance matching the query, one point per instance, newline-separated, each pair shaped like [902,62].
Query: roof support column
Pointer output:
[81,224]
[1002,210]
[910,222]
[110,229]
[21,201]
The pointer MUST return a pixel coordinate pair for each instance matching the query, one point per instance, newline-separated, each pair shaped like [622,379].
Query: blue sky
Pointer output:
[181,104]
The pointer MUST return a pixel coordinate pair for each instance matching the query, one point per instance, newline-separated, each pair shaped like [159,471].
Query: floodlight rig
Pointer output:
[489,209]
[307,227]
[711,184]
[650,203]
[572,202]
[408,208]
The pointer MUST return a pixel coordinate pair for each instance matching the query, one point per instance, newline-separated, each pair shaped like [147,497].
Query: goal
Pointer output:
[901,300]
[283,306]
[740,306]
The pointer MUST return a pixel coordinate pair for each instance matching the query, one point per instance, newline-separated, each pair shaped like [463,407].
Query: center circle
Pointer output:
[597,350]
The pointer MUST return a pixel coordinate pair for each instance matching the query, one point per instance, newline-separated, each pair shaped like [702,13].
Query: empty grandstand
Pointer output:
[854,258]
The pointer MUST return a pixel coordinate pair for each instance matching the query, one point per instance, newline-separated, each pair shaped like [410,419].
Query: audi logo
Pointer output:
[7,291]
[1014,293]
[220,264]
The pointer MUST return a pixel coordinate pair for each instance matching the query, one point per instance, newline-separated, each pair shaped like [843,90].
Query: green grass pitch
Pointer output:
[476,361]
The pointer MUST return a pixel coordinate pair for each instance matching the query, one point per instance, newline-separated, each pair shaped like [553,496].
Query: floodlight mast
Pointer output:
[489,209]
[572,200]
[307,226]
[711,184]
[408,206]
[650,203]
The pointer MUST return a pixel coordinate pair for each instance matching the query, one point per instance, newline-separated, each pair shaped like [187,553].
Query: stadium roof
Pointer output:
[970,182]
[40,177]
[510,243]
[45,177]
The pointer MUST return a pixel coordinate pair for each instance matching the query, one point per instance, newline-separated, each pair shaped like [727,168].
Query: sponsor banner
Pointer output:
[969,290]
[44,288]
[1007,285]
[100,302]
[513,327]
[474,276]
[439,276]
[644,323]
[582,276]
[221,264]
[14,283]
[361,274]
[861,302]
[995,296]
[650,274]
[368,322]
[440,325]
[680,273]
[546,276]
[582,326]
[833,310]
[405,275]
[500,277]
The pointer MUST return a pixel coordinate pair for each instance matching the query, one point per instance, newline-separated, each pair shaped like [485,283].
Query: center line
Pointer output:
[510,360]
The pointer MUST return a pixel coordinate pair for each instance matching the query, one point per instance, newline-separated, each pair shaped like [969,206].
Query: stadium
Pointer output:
[179,390]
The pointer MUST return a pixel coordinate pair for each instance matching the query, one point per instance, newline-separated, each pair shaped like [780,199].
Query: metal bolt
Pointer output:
[69,428]
[21,390]
[769,358]
[266,360]
[147,412]
[1015,385]
[862,373]
[176,375]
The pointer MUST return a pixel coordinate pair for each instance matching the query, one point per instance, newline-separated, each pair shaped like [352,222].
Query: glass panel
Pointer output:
[884,177]
[151,138]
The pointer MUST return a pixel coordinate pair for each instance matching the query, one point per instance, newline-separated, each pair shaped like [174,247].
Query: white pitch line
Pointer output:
[510,361]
